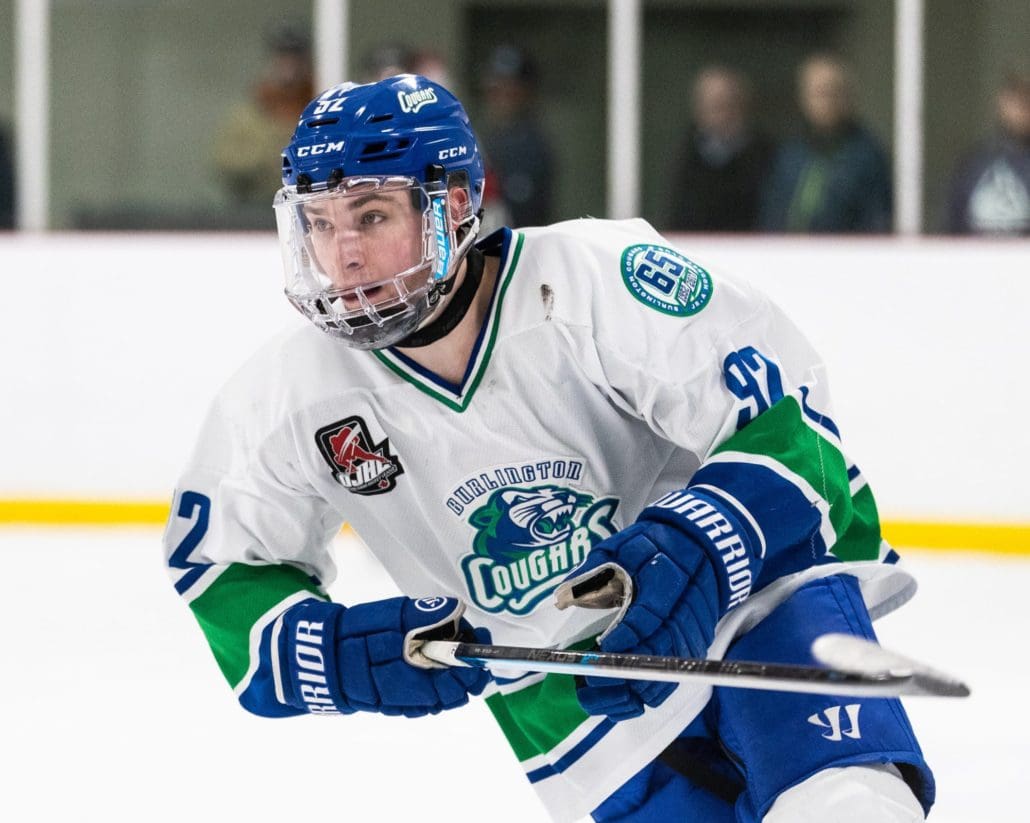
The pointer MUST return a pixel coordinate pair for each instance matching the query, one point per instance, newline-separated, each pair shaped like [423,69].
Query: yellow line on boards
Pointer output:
[81,513]
[1000,538]
[997,538]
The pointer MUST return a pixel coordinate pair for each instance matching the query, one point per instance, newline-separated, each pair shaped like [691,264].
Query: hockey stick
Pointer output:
[857,667]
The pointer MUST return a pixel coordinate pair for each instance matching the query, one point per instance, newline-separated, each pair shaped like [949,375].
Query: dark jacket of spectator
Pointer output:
[990,192]
[6,185]
[516,147]
[716,187]
[839,183]
[521,156]
[990,188]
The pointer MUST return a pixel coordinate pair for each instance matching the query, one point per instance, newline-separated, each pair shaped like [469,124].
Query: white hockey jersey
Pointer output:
[611,369]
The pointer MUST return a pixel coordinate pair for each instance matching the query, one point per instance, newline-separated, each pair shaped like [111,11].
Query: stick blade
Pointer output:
[863,657]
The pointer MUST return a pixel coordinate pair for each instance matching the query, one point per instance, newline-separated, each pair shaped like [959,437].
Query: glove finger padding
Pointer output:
[664,566]
[607,696]
[402,680]
[659,585]
[373,653]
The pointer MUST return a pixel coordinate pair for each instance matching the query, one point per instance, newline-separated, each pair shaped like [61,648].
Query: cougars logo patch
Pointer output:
[358,464]
[527,540]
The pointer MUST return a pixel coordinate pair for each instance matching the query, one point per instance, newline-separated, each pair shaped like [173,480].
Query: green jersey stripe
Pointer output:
[254,644]
[540,717]
[230,607]
[861,540]
[782,435]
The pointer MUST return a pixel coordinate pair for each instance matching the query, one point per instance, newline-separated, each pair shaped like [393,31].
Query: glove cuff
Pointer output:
[307,673]
[724,534]
[438,618]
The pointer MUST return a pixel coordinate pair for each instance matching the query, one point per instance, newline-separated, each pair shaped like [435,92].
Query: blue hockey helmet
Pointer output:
[403,125]
[357,265]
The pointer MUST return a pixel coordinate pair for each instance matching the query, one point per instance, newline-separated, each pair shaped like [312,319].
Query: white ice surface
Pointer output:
[114,709]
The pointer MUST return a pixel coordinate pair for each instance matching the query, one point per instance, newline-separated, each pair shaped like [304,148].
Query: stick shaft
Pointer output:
[739,674]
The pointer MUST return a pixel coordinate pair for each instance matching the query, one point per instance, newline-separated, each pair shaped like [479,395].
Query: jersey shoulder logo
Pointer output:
[358,464]
[665,280]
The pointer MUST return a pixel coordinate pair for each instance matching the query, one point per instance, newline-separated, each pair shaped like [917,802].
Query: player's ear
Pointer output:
[459,203]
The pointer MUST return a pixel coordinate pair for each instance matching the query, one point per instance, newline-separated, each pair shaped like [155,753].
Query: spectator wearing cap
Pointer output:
[990,189]
[518,152]
[250,139]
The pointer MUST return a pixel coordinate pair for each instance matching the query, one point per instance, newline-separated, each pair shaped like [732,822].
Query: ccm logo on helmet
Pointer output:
[411,102]
[319,148]
[448,154]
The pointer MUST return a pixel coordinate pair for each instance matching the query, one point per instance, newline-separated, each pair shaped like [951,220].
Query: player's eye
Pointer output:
[371,218]
[321,225]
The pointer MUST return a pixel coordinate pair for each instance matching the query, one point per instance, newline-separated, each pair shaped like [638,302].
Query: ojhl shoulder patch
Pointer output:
[665,280]
[359,464]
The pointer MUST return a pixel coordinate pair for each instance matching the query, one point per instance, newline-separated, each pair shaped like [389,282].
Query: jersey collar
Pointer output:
[508,245]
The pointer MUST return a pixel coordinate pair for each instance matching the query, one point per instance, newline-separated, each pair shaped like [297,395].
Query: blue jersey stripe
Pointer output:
[191,577]
[426,373]
[573,754]
[817,417]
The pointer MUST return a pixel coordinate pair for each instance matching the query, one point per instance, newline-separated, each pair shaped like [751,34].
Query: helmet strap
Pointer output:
[456,307]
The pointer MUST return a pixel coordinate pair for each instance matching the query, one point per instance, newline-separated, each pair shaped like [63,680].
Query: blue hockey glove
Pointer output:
[335,659]
[684,563]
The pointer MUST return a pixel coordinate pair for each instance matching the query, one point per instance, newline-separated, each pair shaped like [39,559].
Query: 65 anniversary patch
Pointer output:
[665,280]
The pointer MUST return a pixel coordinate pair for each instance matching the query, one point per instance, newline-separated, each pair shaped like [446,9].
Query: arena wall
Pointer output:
[114,345]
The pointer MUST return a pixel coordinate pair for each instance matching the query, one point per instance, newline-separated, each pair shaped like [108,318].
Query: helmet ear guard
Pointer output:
[458,218]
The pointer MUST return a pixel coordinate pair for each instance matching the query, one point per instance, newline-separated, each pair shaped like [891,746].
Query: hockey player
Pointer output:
[519,427]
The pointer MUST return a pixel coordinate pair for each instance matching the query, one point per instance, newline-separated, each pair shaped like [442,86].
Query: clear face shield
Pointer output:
[363,260]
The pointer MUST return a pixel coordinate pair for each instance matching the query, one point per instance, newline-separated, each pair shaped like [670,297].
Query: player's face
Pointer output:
[365,239]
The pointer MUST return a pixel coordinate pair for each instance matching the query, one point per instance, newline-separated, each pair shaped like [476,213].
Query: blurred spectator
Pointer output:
[432,64]
[517,150]
[723,162]
[835,176]
[386,60]
[249,141]
[6,183]
[495,210]
[990,190]
[389,59]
